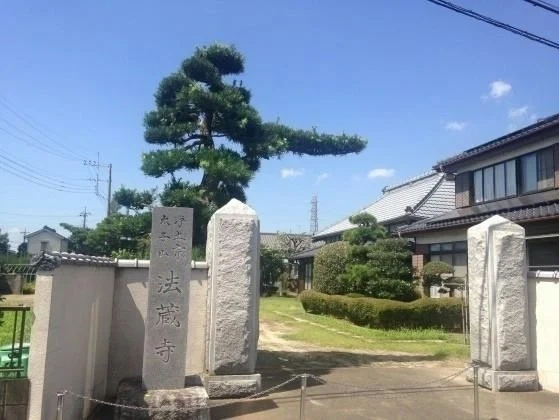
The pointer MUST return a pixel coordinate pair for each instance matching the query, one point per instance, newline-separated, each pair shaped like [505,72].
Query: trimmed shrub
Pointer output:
[391,259]
[432,272]
[392,289]
[442,313]
[28,289]
[354,295]
[329,264]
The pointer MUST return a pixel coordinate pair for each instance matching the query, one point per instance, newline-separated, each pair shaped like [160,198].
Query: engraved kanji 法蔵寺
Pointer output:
[169,284]
[167,315]
[164,220]
[165,349]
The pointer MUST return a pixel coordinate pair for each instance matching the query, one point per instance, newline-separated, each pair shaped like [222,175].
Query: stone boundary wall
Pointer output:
[543,292]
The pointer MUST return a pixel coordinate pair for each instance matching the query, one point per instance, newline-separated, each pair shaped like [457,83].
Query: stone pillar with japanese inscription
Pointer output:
[166,321]
[233,257]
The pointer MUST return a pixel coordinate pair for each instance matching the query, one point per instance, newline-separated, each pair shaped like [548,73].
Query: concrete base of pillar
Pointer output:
[503,381]
[232,386]
[161,404]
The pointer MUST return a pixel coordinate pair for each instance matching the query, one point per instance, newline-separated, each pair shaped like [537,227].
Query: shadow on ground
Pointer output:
[277,367]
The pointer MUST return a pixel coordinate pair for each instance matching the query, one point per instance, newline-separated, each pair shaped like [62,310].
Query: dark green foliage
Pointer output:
[432,271]
[271,267]
[22,249]
[354,295]
[330,263]
[203,122]
[392,289]
[391,259]
[445,313]
[367,231]
[4,243]
[357,277]
[28,289]
[118,235]
[132,199]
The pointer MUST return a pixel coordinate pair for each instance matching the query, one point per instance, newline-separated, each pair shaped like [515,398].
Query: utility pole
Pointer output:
[84,214]
[109,192]
[24,233]
[97,165]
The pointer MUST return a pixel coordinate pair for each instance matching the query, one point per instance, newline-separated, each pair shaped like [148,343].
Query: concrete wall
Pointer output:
[70,338]
[129,314]
[543,292]
[55,243]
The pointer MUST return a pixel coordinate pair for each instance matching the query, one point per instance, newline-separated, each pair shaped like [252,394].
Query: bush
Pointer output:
[442,313]
[329,264]
[432,272]
[391,259]
[392,289]
[28,289]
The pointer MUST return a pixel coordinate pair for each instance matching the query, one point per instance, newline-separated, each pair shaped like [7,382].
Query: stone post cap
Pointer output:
[493,222]
[235,206]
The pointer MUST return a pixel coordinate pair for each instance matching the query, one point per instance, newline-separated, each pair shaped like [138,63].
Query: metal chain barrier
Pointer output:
[385,393]
[60,403]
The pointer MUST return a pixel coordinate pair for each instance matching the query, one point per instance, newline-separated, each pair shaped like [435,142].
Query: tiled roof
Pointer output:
[46,229]
[307,253]
[453,219]
[272,240]
[501,141]
[50,260]
[426,196]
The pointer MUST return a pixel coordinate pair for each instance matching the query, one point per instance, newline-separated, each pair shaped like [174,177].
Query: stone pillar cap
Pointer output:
[235,206]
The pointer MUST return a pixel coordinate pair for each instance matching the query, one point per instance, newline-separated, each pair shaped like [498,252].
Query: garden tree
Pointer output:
[431,273]
[132,199]
[203,122]
[22,249]
[363,236]
[77,242]
[4,243]
[292,243]
[125,236]
[271,267]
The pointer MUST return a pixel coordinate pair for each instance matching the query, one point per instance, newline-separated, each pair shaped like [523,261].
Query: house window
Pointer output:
[543,254]
[526,174]
[44,245]
[452,253]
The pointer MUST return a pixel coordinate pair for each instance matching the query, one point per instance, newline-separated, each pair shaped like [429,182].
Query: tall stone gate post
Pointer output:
[498,294]
[233,256]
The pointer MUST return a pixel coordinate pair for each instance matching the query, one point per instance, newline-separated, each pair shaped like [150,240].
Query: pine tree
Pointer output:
[203,121]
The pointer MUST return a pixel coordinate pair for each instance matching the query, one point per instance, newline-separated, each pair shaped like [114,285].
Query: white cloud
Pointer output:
[381,173]
[498,89]
[322,177]
[291,173]
[518,112]
[533,118]
[455,125]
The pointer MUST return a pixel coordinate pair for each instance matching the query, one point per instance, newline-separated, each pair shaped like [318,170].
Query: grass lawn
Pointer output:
[333,332]
[7,327]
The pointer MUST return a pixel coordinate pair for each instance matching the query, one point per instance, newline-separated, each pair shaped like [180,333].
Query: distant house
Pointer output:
[46,239]
[399,205]
[515,176]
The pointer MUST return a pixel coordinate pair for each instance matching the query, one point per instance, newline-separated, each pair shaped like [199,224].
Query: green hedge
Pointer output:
[442,313]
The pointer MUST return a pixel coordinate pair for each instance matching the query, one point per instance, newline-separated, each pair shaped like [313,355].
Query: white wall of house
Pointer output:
[544,328]
[52,241]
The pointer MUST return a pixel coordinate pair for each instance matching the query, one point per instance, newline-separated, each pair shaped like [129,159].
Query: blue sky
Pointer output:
[418,81]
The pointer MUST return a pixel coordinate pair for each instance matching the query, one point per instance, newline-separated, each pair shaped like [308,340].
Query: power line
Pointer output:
[25,177]
[30,172]
[33,171]
[498,24]
[27,119]
[544,5]
[37,215]
[39,146]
